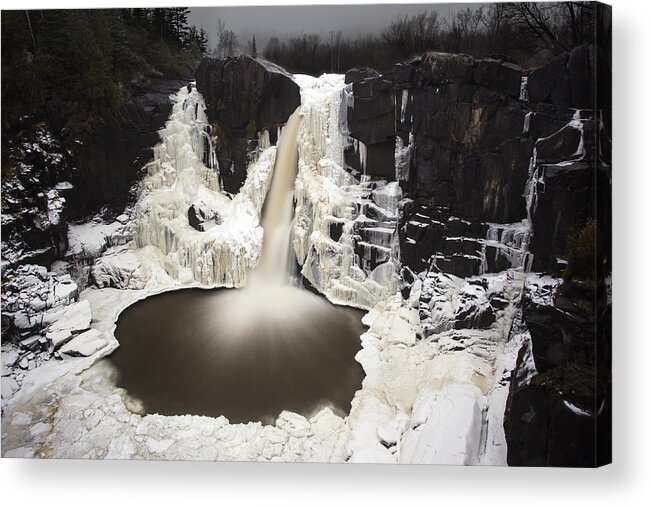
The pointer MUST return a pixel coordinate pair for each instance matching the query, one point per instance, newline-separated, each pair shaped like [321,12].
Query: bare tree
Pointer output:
[557,26]
[220,28]
[413,35]
[335,51]
[496,26]
[227,44]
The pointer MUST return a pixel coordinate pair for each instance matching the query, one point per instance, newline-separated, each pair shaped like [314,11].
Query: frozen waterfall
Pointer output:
[344,232]
[176,180]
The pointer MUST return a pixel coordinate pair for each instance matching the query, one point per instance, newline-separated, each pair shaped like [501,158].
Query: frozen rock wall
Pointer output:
[345,232]
[244,96]
[178,184]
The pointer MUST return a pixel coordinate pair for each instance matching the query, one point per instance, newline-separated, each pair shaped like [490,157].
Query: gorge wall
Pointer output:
[453,197]
[499,168]
[45,183]
[246,96]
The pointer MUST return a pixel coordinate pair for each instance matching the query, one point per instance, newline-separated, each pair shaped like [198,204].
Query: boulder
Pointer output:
[202,218]
[196,217]
[561,146]
[68,320]
[120,268]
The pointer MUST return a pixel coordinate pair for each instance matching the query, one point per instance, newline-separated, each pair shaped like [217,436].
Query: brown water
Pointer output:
[182,352]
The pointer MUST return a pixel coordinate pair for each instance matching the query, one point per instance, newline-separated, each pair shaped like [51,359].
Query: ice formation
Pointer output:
[178,179]
[357,264]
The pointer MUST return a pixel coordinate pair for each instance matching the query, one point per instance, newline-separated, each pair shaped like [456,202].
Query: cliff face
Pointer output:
[111,161]
[485,142]
[505,167]
[44,184]
[244,96]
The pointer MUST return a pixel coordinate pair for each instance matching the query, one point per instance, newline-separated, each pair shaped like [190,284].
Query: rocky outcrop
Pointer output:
[244,96]
[359,73]
[559,415]
[35,189]
[570,184]
[488,143]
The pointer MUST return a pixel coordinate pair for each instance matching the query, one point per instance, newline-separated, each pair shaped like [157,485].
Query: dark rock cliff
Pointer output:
[487,143]
[110,162]
[503,168]
[45,184]
[244,96]
[561,417]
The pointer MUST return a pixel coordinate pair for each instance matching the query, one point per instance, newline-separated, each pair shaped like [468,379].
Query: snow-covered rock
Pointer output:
[84,344]
[70,319]
[120,268]
[90,239]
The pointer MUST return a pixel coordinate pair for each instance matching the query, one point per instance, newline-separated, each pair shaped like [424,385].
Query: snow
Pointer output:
[524,89]
[90,239]
[576,410]
[70,319]
[445,427]
[85,344]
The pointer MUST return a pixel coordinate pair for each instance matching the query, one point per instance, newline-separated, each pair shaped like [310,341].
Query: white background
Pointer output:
[627,482]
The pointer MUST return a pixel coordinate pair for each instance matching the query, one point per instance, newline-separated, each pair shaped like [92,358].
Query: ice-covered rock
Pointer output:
[176,181]
[120,268]
[345,232]
[68,320]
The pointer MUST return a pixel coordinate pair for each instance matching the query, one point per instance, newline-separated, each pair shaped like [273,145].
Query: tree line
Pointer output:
[71,66]
[515,31]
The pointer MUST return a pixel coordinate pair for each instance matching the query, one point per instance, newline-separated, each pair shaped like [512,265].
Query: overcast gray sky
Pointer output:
[280,21]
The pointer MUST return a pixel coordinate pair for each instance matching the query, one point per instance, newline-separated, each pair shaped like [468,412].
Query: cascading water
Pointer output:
[273,267]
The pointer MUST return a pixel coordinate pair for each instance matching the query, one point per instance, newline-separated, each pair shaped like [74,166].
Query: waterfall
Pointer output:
[273,266]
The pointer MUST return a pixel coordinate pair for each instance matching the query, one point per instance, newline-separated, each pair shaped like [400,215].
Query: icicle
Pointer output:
[524,89]
[345,269]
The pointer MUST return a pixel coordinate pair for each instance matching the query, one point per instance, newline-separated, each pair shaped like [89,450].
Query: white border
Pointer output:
[627,482]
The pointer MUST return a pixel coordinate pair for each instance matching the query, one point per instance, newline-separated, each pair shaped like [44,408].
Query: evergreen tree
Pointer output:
[203,41]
